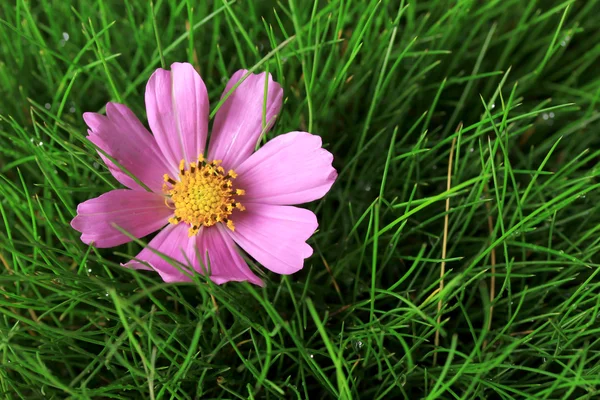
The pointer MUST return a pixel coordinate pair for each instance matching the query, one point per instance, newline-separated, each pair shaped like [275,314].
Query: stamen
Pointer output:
[230,225]
[203,195]
[168,179]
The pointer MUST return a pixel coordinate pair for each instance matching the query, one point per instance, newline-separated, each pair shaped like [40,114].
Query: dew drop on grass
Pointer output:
[471,150]
[312,356]
[357,345]
[401,380]
[65,36]
[47,105]
[72,110]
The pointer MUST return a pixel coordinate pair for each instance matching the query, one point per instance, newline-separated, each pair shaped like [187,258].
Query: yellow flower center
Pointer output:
[203,195]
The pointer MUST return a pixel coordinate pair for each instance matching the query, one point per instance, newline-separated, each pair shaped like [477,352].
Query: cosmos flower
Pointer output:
[206,200]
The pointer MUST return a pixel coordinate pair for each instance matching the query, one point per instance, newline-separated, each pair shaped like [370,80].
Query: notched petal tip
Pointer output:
[183,65]
[276,236]
[137,212]
[292,168]
[93,120]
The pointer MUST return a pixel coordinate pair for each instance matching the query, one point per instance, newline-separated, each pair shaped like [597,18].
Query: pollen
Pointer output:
[204,195]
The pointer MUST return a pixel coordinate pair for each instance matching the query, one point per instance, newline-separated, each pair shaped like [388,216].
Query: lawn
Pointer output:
[457,252]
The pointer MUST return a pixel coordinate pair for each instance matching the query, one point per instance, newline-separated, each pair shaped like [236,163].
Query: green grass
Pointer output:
[389,86]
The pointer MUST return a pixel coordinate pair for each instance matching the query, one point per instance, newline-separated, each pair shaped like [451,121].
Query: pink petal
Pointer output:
[238,123]
[177,107]
[275,235]
[137,212]
[122,136]
[290,169]
[173,242]
[224,262]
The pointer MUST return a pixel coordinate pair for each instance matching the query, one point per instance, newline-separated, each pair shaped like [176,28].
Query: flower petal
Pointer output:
[173,242]
[290,169]
[275,235]
[177,107]
[223,260]
[238,123]
[122,136]
[137,212]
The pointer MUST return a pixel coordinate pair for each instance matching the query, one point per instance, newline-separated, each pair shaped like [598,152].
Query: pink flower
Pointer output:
[206,199]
